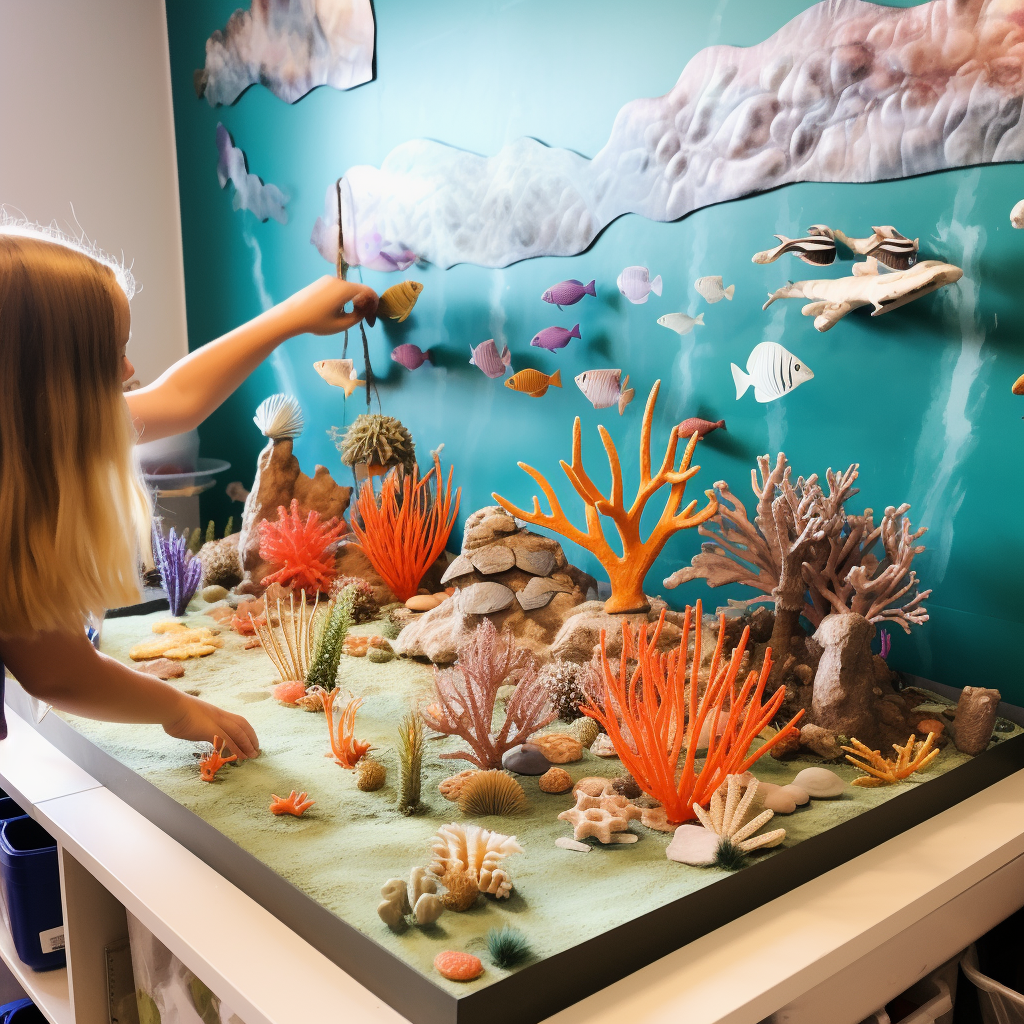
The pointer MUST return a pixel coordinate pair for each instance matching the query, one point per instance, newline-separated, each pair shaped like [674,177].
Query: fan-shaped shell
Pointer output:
[491,792]
[493,558]
[538,593]
[540,562]
[279,417]
[485,599]
[459,567]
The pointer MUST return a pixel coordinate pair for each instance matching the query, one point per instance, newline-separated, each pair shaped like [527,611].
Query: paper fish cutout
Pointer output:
[701,427]
[485,357]
[773,371]
[885,244]
[817,248]
[1018,385]
[410,356]
[680,322]
[396,303]
[533,382]
[712,290]
[340,373]
[836,296]
[636,284]
[553,338]
[605,388]
[568,293]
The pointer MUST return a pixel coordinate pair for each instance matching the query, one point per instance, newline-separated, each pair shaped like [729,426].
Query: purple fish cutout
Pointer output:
[487,358]
[410,356]
[568,293]
[553,338]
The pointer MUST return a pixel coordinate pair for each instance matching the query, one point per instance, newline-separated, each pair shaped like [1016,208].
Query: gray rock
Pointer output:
[538,593]
[491,559]
[526,759]
[485,598]
[540,561]
[459,567]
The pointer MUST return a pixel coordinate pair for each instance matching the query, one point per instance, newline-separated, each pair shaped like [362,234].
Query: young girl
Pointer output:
[74,515]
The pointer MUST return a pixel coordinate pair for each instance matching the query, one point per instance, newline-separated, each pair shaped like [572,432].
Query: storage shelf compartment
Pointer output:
[47,989]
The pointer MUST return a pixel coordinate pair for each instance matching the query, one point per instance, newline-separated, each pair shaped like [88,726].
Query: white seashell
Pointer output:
[485,599]
[477,852]
[279,417]
[491,559]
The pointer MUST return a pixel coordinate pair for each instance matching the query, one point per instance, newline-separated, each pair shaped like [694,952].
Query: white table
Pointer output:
[849,940]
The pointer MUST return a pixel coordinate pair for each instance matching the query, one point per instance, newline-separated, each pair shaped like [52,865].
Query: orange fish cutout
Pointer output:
[340,373]
[533,382]
[1018,385]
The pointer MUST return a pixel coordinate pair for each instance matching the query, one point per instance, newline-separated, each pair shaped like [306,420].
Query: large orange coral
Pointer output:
[346,748]
[303,548]
[652,715]
[404,532]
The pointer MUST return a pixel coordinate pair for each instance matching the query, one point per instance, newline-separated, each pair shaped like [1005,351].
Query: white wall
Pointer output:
[86,121]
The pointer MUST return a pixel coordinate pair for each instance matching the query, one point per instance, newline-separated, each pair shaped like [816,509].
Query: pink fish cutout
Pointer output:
[486,358]
[702,427]
[412,357]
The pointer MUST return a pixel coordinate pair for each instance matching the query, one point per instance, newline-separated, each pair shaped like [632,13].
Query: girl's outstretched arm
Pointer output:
[65,670]
[183,396]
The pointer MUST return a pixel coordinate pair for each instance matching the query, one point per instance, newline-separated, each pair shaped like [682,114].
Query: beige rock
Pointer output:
[819,783]
[221,565]
[214,592]
[423,602]
[580,635]
[822,742]
[800,796]
[559,748]
[555,780]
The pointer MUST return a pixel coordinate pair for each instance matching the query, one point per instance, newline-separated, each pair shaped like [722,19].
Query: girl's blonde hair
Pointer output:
[74,513]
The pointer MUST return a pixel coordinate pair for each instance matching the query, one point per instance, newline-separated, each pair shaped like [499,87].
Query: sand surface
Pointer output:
[346,846]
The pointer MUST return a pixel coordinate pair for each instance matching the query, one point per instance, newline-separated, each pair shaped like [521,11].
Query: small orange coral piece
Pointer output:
[294,803]
[289,692]
[456,966]
[214,761]
[405,532]
[303,548]
[346,748]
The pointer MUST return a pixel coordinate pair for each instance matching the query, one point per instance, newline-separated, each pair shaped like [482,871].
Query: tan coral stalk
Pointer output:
[727,813]
[883,771]
[289,645]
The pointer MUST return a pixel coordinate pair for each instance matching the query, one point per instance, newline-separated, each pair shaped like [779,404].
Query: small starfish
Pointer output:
[883,771]
[727,812]
[294,803]
[214,761]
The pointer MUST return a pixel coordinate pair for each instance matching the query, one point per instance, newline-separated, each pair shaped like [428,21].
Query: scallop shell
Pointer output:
[540,562]
[485,599]
[491,559]
[279,417]
[538,593]
[459,567]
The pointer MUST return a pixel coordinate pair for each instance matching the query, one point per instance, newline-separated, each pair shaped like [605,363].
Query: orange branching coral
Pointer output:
[404,532]
[303,548]
[294,803]
[628,570]
[652,715]
[884,771]
[214,761]
[346,748]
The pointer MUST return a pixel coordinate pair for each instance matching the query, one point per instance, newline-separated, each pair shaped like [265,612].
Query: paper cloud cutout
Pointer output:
[846,91]
[290,46]
[264,201]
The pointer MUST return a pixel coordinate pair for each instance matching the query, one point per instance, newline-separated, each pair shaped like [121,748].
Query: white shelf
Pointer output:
[47,989]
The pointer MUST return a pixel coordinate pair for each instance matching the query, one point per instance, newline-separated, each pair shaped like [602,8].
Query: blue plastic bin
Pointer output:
[21,1011]
[8,809]
[31,881]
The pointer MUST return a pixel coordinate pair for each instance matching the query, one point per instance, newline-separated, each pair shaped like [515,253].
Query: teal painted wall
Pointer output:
[920,397]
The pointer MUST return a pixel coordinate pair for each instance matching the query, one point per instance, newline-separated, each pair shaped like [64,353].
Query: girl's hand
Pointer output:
[320,307]
[201,721]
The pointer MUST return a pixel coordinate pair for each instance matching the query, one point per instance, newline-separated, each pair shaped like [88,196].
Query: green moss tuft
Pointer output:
[330,638]
[729,857]
[507,947]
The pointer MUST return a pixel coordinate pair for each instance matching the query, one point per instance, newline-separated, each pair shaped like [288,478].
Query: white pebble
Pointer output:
[571,844]
[819,783]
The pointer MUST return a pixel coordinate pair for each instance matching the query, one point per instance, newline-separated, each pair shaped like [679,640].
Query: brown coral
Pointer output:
[491,792]
[370,775]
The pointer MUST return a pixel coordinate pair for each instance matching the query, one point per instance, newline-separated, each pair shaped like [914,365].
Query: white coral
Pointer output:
[476,852]
[726,816]
[279,417]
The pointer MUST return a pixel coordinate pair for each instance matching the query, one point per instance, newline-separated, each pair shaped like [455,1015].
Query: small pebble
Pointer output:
[593,785]
[559,747]
[927,725]
[622,838]
[526,759]
[289,692]
[819,783]
[555,780]
[800,796]
[457,966]
[602,746]
[422,602]
[564,843]
[693,845]
[162,668]
[775,799]
[380,655]
[214,593]
[627,786]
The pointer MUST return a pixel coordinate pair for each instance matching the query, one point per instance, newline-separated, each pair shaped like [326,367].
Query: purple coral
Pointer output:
[464,697]
[179,569]
[886,643]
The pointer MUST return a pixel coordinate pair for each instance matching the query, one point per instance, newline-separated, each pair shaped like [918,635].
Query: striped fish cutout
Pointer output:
[772,370]
[818,249]
[885,244]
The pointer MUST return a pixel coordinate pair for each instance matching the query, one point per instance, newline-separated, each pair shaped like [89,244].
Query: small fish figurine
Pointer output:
[773,370]
[410,356]
[553,338]
[885,244]
[605,388]
[818,248]
[485,357]
[712,290]
[340,373]
[636,284]
[680,322]
[396,303]
[568,293]
[698,426]
[533,382]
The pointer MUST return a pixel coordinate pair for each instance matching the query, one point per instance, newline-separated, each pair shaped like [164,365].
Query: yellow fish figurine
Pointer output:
[396,303]
[341,373]
[533,382]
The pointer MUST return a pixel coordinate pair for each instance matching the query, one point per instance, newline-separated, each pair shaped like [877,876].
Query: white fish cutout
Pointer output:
[680,322]
[773,371]
[712,290]
[340,373]
[487,358]
[636,284]
[605,388]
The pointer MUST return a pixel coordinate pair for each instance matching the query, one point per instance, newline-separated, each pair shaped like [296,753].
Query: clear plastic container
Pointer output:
[998,1004]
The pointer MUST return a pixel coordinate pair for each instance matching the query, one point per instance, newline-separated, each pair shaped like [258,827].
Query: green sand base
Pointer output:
[346,846]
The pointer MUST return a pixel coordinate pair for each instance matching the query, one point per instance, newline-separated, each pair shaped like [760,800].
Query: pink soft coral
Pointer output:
[303,549]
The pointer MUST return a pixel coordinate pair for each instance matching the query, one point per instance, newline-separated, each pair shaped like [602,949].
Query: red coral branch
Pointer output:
[405,532]
[661,716]
[214,761]
[303,549]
